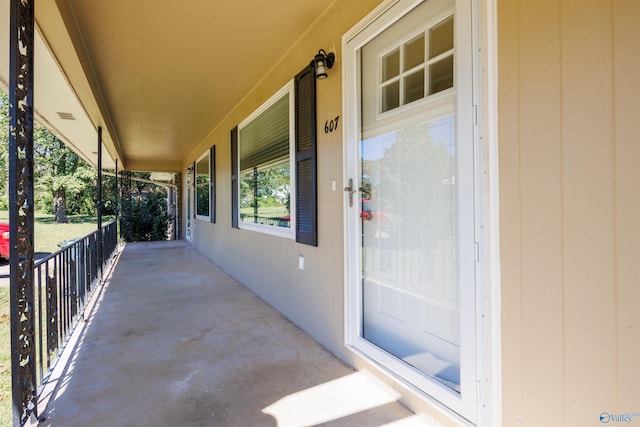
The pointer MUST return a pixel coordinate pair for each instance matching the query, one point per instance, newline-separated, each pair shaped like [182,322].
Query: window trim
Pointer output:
[212,184]
[235,212]
[289,232]
[196,187]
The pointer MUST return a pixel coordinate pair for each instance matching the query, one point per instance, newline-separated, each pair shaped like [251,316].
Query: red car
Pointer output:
[4,240]
[369,211]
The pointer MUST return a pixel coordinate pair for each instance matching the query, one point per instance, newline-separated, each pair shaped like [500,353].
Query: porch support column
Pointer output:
[115,191]
[100,241]
[179,206]
[171,210]
[21,202]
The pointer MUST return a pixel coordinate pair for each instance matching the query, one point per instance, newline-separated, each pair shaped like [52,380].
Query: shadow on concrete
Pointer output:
[173,340]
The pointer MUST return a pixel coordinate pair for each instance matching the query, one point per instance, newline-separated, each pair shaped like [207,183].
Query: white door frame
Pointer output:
[484,406]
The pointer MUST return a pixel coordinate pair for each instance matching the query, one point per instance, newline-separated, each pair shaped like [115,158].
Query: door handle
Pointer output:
[350,190]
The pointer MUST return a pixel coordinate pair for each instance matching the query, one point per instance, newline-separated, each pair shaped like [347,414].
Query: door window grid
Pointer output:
[418,68]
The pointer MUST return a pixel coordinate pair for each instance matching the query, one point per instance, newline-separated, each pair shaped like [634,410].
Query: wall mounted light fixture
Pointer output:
[322,62]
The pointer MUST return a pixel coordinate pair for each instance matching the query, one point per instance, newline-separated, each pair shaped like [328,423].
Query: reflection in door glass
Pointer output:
[408,215]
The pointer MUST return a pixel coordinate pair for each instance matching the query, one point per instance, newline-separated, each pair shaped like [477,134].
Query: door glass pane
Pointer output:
[414,53]
[391,96]
[408,205]
[391,65]
[408,215]
[441,38]
[414,86]
[441,75]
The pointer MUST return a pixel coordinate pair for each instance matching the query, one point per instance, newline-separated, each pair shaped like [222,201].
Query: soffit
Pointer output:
[160,74]
[56,104]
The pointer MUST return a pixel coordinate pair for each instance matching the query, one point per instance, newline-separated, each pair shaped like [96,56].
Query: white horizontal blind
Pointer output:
[265,139]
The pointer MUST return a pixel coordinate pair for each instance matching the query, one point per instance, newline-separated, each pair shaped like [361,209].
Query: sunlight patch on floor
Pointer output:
[412,421]
[333,400]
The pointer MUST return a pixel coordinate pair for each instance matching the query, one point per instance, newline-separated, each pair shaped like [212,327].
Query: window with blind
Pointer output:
[274,164]
[203,194]
[265,163]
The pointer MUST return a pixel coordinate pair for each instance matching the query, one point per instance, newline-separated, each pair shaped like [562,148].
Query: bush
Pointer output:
[145,219]
[44,201]
[82,204]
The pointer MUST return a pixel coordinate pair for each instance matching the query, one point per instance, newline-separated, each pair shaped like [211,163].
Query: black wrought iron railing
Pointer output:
[63,284]
[276,221]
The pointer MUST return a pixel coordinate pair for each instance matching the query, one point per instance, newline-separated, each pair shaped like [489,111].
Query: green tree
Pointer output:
[413,182]
[64,183]
[61,175]
[108,194]
[4,149]
[144,215]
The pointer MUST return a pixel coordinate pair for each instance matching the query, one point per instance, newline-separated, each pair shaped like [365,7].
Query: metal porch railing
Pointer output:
[63,285]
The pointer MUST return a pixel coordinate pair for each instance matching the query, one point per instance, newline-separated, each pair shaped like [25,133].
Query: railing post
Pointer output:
[52,314]
[99,202]
[21,202]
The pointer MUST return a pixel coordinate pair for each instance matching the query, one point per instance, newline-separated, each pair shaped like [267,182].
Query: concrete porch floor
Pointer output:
[174,341]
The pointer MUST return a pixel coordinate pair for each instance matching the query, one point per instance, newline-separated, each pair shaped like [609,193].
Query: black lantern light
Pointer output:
[322,62]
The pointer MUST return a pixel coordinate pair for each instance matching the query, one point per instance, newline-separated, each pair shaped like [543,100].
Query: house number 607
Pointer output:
[331,125]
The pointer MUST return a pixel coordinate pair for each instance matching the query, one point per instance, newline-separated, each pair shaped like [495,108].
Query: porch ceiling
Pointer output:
[159,75]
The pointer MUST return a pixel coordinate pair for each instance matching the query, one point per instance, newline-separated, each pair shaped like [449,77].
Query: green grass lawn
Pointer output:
[271,211]
[47,236]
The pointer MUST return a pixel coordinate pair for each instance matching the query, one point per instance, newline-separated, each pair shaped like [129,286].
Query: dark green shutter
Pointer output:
[212,184]
[234,177]
[306,186]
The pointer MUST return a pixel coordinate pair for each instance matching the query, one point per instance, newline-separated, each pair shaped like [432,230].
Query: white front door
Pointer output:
[411,246]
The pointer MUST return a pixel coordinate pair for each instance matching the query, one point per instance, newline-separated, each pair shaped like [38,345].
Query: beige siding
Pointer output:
[626,63]
[569,172]
[313,298]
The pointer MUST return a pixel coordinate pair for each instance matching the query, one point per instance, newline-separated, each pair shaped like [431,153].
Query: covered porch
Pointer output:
[171,339]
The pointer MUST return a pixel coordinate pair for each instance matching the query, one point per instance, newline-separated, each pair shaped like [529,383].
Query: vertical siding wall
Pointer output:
[569,129]
[268,265]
